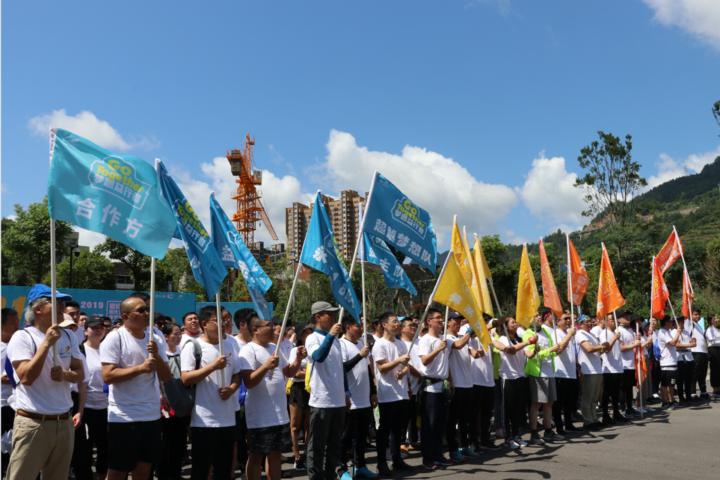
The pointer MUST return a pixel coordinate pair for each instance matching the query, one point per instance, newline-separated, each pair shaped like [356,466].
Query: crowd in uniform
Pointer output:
[85,397]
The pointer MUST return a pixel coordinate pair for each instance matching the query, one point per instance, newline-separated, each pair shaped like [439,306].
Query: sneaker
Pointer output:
[631,412]
[364,472]
[299,464]
[429,467]
[536,440]
[468,452]
[512,444]
[620,418]
[383,470]
[489,445]
[550,436]
[456,456]
[443,462]
[521,442]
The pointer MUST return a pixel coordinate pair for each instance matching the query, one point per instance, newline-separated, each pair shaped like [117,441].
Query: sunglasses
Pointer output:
[142,310]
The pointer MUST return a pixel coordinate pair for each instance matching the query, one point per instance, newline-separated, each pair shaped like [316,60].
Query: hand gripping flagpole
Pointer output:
[53,266]
[429,304]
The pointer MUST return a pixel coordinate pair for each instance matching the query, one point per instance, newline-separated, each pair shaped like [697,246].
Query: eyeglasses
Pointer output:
[142,310]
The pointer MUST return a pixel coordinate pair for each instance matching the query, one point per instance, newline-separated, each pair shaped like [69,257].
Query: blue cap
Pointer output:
[40,290]
[583,318]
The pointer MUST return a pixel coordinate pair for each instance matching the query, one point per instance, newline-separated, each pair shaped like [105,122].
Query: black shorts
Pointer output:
[298,395]
[132,443]
[668,378]
[269,439]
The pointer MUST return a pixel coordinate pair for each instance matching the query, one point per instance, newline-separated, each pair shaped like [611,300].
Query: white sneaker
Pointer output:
[520,442]
[512,444]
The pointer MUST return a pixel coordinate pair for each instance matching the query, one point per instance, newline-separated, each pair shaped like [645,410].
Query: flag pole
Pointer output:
[221,334]
[640,356]
[429,303]
[492,287]
[290,298]
[687,273]
[362,278]
[569,282]
[447,316]
[53,266]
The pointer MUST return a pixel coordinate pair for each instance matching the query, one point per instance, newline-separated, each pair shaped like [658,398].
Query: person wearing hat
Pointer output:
[133,360]
[46,360]
[328,398]
[263,369]
[589,351]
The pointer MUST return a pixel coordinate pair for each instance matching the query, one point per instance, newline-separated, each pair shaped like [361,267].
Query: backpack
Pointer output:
[180,397]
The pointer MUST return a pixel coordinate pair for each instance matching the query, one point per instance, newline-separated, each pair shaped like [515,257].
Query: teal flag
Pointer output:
[116,195]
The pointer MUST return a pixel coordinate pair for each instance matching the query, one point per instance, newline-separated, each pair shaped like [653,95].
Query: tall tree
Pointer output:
[26,244]
[611,179]
[89,270]
[137,263]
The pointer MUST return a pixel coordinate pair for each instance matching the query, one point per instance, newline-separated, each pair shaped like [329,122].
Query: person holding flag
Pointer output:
[668,342]
[566,381]
[630,341]
[685,362]
[612,368]
[700,354]
[589,351]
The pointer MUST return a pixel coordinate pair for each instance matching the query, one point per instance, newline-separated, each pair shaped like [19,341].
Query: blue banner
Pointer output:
[207,267]
[320,253]
[115,195]
[235,254]
[394,218]
[377,252]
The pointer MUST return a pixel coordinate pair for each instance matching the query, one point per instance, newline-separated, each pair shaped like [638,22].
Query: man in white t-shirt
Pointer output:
[242,319]
[362,397]
[191,327]
[669,340]
[264,369]
[10,323]
[629,343]
[612,369]
[565,376]
[328,397]
[47,362]
[407,335]
[216,379]
[589,351]
[133,361]
[391,360]
[483,399]
[460,413]
[699,353]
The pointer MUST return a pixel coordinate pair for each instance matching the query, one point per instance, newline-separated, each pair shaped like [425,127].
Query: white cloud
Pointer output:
[86,124]
[550,194]
[88,238]
[668,168]
[437,183]
[698,17]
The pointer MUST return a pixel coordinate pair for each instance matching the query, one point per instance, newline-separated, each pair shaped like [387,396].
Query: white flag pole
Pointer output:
[569,283]
[429,303]
[640,355]
[53,266]
[447,317]
[221,334]
[362,277]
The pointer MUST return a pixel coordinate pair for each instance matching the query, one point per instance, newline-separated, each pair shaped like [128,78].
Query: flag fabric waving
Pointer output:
[687,295]
[483,273]
[528,300]
[670,252]
[459,250]
[320,253]
[580,278]
[394,218]
[609,297]
[659,292]
[115,195]
[205,262]
[235,254]
[378,253]
[454,292]
[551,299]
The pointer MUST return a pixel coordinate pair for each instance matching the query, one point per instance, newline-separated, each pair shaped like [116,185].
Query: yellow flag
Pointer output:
[454,292]
[482,269]
[528,300]
[457,247]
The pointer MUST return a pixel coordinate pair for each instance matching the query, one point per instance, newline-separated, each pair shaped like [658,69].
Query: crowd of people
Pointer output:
[87,397]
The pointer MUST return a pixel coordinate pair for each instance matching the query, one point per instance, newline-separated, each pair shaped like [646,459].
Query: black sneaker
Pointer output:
[383,470]
[299,464]
[401,466]
[536,440]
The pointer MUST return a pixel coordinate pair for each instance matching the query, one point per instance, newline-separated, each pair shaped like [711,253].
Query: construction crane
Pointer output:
[250,209]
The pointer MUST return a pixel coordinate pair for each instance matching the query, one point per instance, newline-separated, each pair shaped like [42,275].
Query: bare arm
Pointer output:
[385,365]
[196,376]
[461,342]
[426,359]
[252,378]
[114,374]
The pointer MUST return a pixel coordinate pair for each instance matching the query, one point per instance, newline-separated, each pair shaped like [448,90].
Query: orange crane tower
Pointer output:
[250,209]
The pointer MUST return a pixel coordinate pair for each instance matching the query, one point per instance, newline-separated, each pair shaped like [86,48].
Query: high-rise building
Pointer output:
[343,213]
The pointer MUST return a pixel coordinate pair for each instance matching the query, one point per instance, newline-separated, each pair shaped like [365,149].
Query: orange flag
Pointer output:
[660,293]
[609,297]
[687,295]
[580,279]
[640,365]
[670,252]
[551,299]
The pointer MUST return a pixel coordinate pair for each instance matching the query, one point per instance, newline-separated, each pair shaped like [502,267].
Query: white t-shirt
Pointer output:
[303,363]
[239,342]
[590,363]
[668,353]
[511,366]
[44,396]
[389,388]
[7,389]
[137,399]
[86,374]
[414,380]
[358,378]
[266,403]
[566,362]
[685,354]
[612,359]
[460,364]
[97,399]
[596,331]
[285,347]
[185,337]
[327,387]
[628,356]
[439,367]
[481,368]
[713,336]
[699,335]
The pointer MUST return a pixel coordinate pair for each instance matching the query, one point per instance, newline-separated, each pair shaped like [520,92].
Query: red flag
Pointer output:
[659,291]
[609,297]
[640,365]
[580,279]
[670,252]
[687,295]
[551,299]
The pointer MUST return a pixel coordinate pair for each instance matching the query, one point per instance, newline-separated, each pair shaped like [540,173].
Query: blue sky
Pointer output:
[475,108]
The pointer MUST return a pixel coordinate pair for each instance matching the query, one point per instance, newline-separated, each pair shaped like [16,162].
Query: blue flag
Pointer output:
[207,267]
[235,254]
[116,195]
[320,253]
[394,218]
[377,252]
